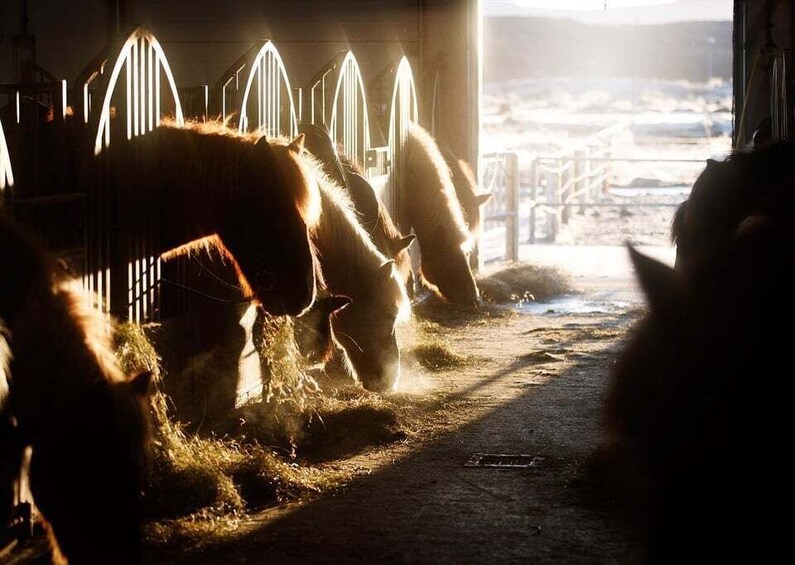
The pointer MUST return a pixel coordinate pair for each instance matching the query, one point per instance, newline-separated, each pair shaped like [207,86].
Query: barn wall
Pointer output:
[202,38]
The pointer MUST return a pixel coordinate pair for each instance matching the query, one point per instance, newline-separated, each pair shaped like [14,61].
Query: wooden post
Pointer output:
[565,188]
[531,214]
[512,205]
[553,189]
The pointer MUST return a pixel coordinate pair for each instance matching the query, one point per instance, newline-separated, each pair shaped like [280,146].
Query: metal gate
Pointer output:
[128,98]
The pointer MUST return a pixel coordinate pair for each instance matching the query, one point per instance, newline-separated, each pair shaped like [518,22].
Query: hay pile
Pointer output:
[522,282]
[195,478]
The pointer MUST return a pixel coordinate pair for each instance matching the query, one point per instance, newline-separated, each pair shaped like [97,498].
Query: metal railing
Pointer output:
[546,190]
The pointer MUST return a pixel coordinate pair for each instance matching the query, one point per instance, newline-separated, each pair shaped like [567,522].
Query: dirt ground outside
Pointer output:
[531,383]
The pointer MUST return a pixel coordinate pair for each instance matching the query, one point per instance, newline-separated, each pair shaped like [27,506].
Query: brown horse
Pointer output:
[434,212]
[352,266]
[250,197]
[695,390]
[85,421]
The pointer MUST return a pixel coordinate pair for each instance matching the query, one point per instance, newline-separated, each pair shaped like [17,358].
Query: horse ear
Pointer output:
[336,303]
[297,144]
[711,163]
[141,384]
[401,243]
[658,281]
[483,198]
[385,271]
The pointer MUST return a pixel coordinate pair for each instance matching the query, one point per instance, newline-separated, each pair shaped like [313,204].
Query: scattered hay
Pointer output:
[201,485]
[524,282]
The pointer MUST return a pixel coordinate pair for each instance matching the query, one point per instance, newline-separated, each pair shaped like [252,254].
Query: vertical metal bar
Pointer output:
[150,88]
[512,224]
[129,84]
[142,86]
[259,96]
[136,92]
[157,91]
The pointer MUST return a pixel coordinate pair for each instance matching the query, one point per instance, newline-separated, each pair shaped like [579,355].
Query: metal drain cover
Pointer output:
[503,460]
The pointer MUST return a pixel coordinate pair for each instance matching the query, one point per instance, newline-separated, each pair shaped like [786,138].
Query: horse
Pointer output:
[694,392]
[434,212]
[352,266]
[87,423]
[724,194]
[465,183]
[205,185]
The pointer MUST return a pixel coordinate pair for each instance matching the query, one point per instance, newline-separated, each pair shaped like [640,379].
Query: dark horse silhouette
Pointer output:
[725,193]
[85,421]
[694,418]
[204,184]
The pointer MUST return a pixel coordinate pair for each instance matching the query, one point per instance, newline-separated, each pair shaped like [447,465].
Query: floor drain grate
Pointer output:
[503,460]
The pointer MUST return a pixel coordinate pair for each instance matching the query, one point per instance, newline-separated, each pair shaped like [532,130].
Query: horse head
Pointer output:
[268,232]
[446,268]
[366,329]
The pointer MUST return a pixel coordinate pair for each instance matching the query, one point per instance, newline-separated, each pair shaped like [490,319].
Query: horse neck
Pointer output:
[189,184]
[54,357]
[348,259]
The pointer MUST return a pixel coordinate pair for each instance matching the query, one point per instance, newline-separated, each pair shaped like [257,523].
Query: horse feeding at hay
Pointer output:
[351,266]
[434,212]
[86,423]
[465,183]
[371,211]
[692,427]
[725,193]
[205,185]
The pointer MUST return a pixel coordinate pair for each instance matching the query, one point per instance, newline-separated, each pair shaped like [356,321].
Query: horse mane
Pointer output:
[339,223]
[427,162]
[304,192]
[336,197]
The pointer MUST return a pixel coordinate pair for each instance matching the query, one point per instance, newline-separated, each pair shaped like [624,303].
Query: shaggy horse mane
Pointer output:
[360,247]
[338,219]
[227,155]
[419,141]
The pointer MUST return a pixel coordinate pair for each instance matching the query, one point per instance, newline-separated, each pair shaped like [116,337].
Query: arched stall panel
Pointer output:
[403,111]
[6,173]
[126,91]
[337,100]
[128,87]
[256,95]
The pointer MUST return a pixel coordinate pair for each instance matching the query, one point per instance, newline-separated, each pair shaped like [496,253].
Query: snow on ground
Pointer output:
[665,121]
